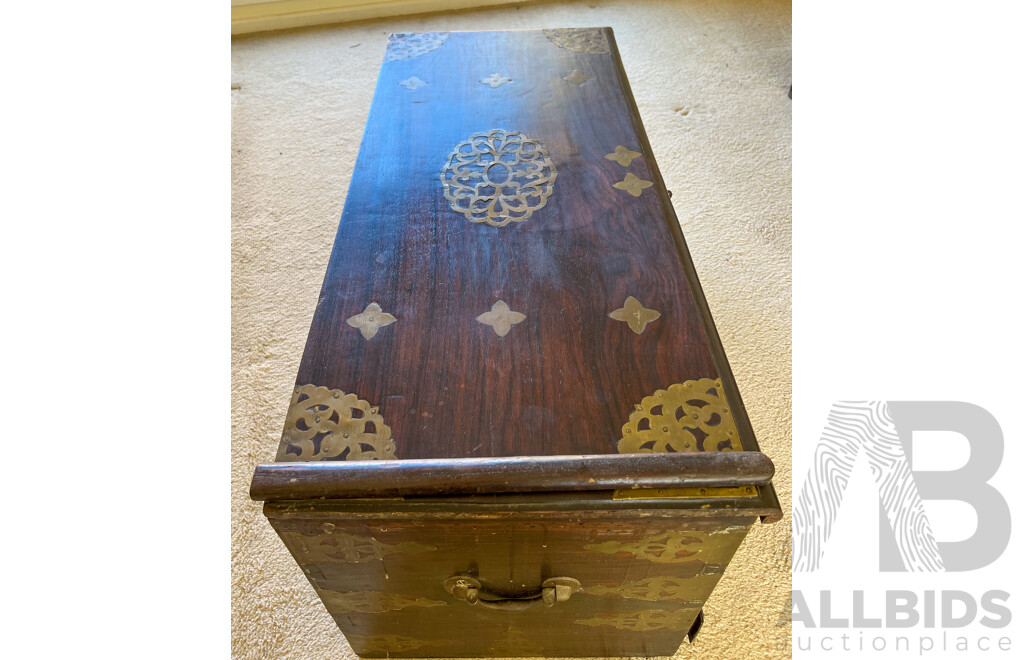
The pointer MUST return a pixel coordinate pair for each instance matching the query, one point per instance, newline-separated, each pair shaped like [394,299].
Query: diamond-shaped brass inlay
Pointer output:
[623,156]
[412,83]
[635,315]
[633,184]
[501,318]
[495,80]
[370,320]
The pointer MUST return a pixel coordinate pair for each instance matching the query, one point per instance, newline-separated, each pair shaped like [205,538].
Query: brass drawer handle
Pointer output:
[553,590]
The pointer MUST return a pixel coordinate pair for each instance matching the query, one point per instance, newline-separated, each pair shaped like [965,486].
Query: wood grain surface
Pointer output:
[565,379]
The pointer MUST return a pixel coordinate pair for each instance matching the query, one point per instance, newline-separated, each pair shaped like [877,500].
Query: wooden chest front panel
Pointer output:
[644,579]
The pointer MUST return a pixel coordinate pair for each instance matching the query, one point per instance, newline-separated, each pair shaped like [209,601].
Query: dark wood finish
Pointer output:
[696,290]
[345,556]
[339,479]
[565,380]
[508,469]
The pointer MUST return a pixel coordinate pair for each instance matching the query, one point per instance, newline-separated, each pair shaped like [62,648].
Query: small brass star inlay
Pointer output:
[633,184]
[412,83]
[495,80]
[635,315]
[501,318]
[577,77]
[370,320]
[623,156]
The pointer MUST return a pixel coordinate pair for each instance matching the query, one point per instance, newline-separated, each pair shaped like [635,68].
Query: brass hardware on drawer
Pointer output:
[553,590]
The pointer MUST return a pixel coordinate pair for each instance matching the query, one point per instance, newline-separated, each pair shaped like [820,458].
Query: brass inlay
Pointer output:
[635,315]
[501,318]
[667,548]
[623,156]
[495,80]
[516,642]
[405,45]
[363,644]
[690,416]
[348,548]
[581,40]
[577,77]
[372,602]
[646,620]
[370,320]
[330,424]
[659,588]
[412,83]
[683,493]
[633,184]
[679,547]
[498,177]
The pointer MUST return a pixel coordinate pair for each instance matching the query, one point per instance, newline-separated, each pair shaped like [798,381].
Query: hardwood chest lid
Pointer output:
[508,277]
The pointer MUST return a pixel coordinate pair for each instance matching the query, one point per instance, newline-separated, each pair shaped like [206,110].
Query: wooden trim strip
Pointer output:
[519,474]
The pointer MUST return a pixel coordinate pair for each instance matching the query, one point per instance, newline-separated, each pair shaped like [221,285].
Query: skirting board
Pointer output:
[249,16]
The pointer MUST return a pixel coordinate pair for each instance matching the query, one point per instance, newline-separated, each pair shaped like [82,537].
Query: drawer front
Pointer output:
[642,581]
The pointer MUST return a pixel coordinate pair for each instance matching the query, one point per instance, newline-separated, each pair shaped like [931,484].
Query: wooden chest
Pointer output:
[514,431]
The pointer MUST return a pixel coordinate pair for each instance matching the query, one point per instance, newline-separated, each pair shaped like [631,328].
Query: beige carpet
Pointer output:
[710,79]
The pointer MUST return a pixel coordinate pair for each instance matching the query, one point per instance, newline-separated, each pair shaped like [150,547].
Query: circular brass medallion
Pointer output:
[406,45]
[581,40]
[498,177]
